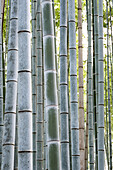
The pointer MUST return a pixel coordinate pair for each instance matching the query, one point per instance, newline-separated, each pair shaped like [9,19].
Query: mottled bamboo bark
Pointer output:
[11,92]
[81,92]
[24,88]
[50,87]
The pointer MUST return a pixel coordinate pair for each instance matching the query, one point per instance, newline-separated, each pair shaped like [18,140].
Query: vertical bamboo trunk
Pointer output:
[100,90]
[81,103]
[86,134]
[11,92]
[16,138]
[24,88]
[40,100]
[96,81]
[1,87]
[50,87]
[73,89]
[34,80]
[106,141]
[109,112]
[65,158]
[90,97]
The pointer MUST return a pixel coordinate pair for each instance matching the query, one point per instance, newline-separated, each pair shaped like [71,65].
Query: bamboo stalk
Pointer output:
[1,87]
[50,87]
[73,89]
[100,91]
[34,79]
[90,94]
[40,98]
[24,88]
[81,97]
[109,109]
[11,92]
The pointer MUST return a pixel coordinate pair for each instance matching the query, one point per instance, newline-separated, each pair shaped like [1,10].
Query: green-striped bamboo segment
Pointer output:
[73,89]
[100,90]
[24,88]
[81,100]
[90,94]
[34,80]
[64,124]
[50,87]
[11,92]
[40,100]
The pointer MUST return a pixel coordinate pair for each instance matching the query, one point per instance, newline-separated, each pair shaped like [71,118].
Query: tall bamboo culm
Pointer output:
[40,100]
[100,90]
[1,87]
[86,134]
[96,80]
[90,97]
[50,87]
[108,78]
[34,99]
[11,92]
[73,89]
[24,88]
[81,92]
[64,123]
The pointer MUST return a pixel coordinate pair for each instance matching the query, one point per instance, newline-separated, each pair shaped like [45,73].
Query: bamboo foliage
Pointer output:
[100,90]
[73,89]
[50,87]
[24,88]
[11,92]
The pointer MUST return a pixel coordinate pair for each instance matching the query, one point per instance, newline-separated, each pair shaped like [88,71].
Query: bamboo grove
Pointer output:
[56,84]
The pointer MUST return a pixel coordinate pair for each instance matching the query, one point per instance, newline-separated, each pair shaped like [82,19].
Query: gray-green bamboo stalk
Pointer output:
[40,99]
[100,90]
[24,88]
[86,134]
[34,99]
[50,87]
[64,123]
[73,89]
[1,87]
[11,92]
[109,112]
[106,141]
[81,92]
[90,97]
[16,138]
[96,80]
